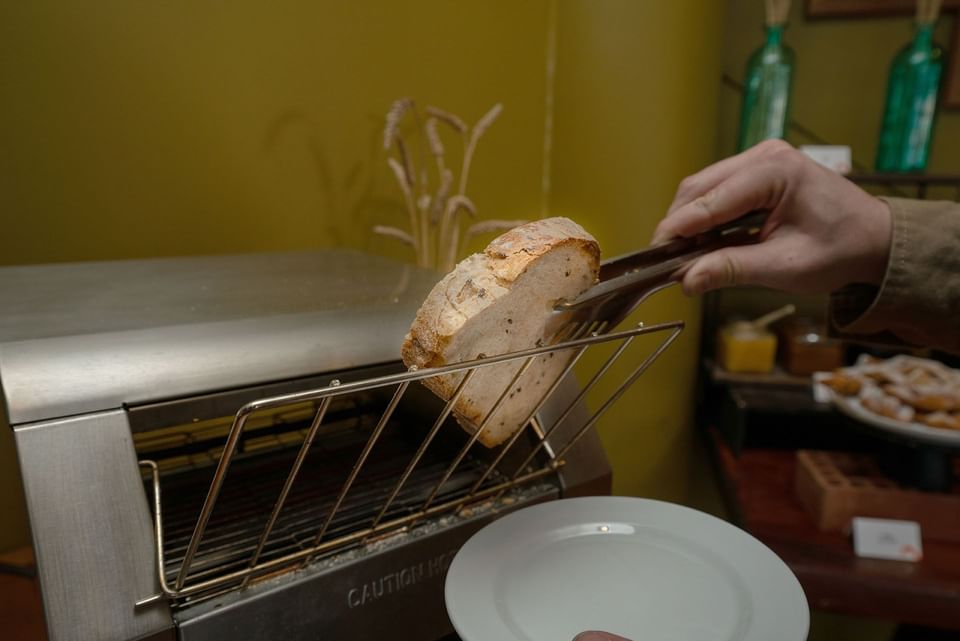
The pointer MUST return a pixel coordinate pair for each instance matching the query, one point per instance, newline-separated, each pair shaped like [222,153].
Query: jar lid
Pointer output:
[745,329]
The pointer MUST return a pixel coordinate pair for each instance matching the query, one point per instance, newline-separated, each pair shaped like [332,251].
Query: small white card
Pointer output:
[835,157]
[887,539]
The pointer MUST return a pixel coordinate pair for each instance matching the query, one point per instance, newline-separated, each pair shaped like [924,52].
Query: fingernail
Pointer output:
[695,285]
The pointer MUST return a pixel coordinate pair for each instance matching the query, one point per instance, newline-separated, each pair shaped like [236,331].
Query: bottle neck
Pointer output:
[923,36]
[774,35]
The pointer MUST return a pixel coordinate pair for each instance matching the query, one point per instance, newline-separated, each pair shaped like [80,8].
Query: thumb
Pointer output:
[725,268]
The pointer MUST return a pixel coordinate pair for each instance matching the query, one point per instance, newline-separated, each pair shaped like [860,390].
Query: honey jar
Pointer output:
[806,348]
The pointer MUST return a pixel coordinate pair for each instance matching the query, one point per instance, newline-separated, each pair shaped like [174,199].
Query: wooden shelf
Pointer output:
[21,615]
[758,486]
[778,377]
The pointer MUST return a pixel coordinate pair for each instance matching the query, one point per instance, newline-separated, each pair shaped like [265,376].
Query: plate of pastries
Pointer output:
[917,398]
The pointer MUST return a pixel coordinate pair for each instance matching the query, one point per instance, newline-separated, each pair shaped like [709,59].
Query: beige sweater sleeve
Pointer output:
[919,299]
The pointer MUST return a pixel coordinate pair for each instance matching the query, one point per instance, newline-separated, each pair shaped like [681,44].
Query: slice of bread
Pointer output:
[496,302]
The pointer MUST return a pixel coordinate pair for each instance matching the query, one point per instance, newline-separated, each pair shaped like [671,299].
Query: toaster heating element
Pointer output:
[228,447]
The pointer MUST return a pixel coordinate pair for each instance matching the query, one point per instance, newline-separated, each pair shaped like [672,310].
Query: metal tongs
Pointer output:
[628,280]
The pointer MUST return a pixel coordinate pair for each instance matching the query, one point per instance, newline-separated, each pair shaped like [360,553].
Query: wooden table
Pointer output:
[21,616]
[758,486]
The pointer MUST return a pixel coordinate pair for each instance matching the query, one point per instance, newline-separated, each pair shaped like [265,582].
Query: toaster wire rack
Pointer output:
[397,509]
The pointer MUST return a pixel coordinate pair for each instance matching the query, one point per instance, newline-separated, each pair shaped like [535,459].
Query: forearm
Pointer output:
[919,299]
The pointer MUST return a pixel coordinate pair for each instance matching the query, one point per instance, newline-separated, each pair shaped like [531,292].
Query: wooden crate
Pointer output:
[834,487]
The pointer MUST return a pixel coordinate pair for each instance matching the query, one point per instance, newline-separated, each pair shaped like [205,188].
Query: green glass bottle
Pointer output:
[907,130]
[766,92]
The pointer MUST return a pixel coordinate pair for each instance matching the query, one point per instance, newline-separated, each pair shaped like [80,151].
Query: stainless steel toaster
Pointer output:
[229,447]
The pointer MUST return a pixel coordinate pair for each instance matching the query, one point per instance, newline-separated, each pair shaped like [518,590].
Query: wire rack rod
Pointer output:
[207,579]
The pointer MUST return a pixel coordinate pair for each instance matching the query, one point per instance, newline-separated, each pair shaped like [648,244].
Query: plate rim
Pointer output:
[918,432]
[769,560]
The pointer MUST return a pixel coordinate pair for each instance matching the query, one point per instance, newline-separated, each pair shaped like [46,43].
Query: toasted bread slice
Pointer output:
[496,302]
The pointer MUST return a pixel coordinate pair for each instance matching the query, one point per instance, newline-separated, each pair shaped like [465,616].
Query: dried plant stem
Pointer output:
[449,236]
[435,226]
[448,118]
[471,147]
[393,232]
[392,129]
[446,178]
[443,191]
[405,188]
[420,185]
[436,144]
[423,209]
[444,239]
[404,161]
[453,245]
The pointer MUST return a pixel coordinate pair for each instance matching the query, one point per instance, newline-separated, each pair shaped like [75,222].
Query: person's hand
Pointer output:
[823,231]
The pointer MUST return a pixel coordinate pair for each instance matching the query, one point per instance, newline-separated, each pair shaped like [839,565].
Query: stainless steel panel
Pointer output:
[63,376]
[92,531]
[67,299]
[90,337]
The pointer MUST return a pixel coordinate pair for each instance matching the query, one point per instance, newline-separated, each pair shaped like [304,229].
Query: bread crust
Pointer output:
[452,318]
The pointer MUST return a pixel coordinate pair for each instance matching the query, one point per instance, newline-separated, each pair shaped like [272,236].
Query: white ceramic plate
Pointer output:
[643,569]
[852,407]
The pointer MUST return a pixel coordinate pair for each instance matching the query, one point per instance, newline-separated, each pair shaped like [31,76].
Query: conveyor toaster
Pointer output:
[229,447]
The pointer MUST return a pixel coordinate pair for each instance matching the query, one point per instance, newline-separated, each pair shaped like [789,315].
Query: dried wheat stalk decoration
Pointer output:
[435,234]
[777,12]
[449,236]
[436,145]
[404,160]
[393,232]
[447,117]
[423,203]
[443,191]
[928,11]
[406,187]
[392,128]
[478,130]
[404,172]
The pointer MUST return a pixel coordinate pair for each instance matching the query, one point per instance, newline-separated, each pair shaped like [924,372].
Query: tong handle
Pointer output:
[743,230]
[651,269]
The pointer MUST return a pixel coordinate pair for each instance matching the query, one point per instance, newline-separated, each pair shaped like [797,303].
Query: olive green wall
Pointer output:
[160,128]
[840,81]
[156,129]
[636,102]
